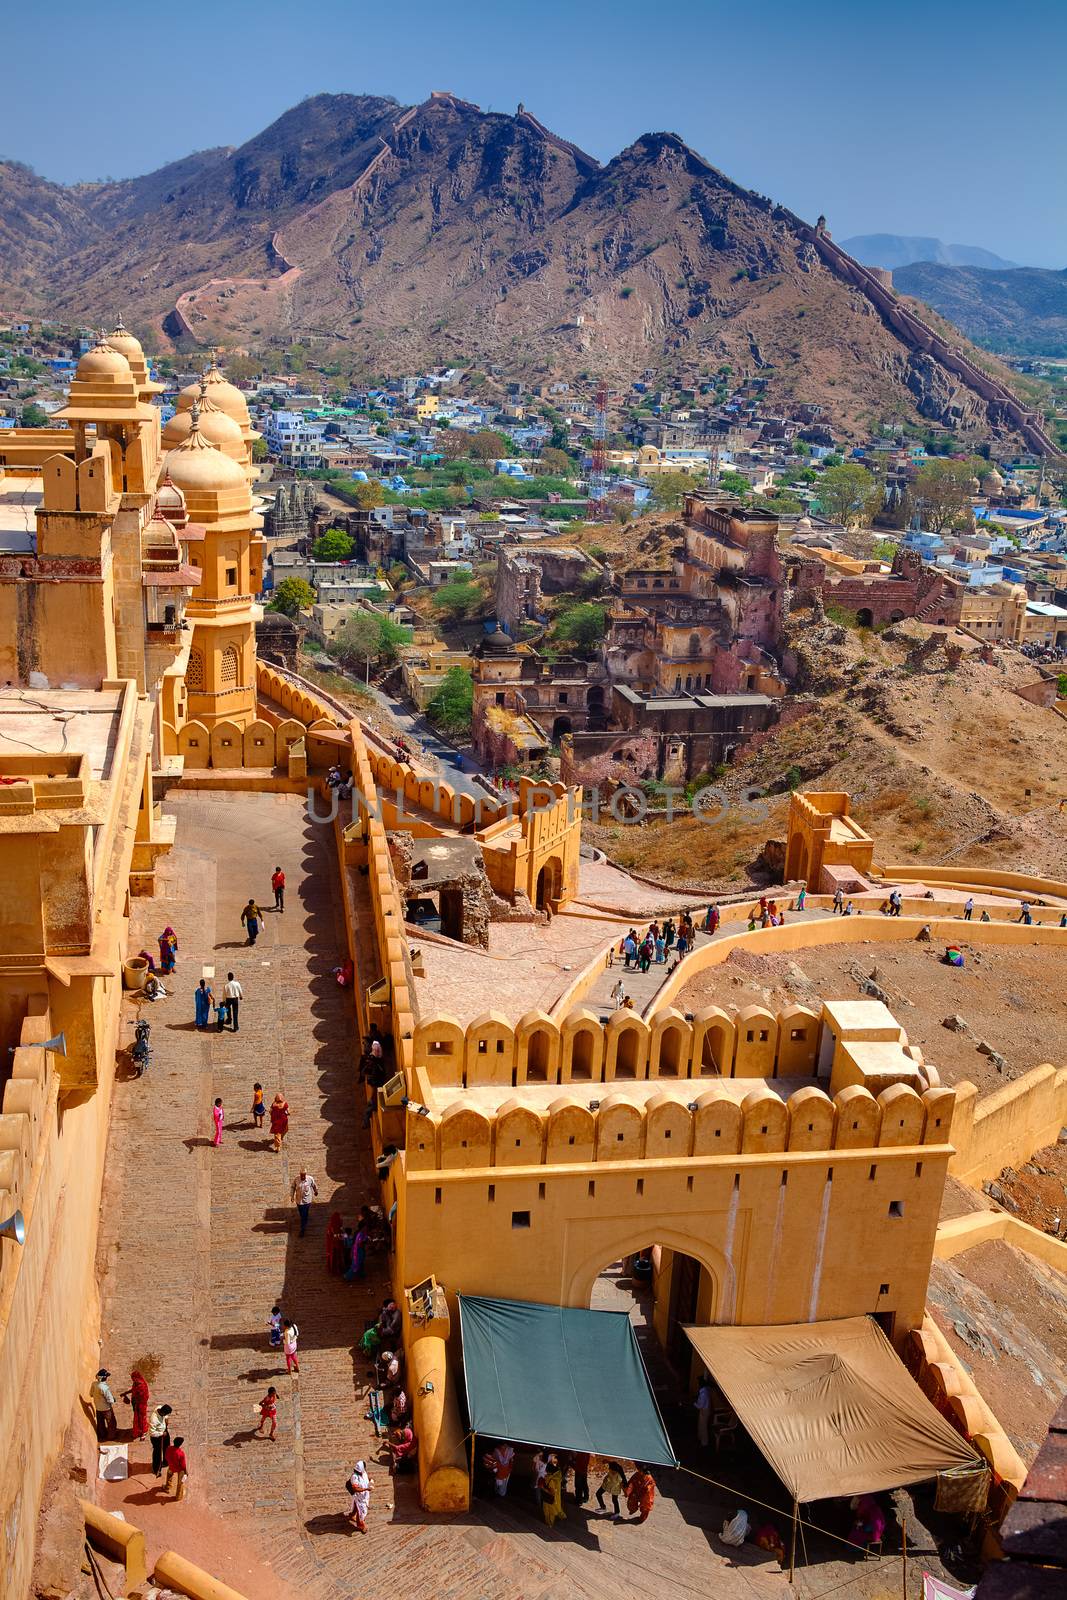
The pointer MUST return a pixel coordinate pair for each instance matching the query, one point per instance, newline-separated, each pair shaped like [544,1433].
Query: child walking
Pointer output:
[259,1110]
[219,1117]
[268,1412]
[275,1326]
[613,1483]
[290,1334]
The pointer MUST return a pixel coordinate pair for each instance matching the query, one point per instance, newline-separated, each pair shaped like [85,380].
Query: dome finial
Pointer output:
[195,429]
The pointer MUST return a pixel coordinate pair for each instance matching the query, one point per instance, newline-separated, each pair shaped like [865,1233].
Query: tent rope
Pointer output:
[754,1500]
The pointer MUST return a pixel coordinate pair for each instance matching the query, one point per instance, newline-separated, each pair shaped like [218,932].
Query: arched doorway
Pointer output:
[661,1290]
[549,883]
[560,729]
[865,617]
[594,702]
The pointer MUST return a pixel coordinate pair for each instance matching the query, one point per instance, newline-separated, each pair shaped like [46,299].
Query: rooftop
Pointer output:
[539,1096]
[61,722]
[19,499]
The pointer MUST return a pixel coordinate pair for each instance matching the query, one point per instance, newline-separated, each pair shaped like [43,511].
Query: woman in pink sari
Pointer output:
[168,950]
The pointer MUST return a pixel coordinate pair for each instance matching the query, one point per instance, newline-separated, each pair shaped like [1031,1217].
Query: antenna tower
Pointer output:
[598,455]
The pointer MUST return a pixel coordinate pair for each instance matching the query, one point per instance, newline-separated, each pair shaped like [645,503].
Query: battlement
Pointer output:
[856,1041]
[665,1126]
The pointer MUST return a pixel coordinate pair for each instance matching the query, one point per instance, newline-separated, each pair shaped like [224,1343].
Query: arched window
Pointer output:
[194,672]
[694,644]
[230,676]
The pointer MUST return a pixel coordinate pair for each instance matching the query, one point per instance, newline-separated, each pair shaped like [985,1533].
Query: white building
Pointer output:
[294,440]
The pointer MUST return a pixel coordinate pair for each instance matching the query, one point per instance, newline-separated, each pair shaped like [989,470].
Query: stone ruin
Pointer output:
[293,514]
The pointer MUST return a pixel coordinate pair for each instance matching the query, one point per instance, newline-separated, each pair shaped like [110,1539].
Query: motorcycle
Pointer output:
[141,1049]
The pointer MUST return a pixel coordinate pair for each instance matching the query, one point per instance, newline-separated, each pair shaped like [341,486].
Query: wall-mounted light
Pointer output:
[14,1228]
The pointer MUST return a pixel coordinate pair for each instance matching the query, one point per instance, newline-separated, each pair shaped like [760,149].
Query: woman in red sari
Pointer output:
[335,1261]
[640,1494]
[138,1397]
[279,1120]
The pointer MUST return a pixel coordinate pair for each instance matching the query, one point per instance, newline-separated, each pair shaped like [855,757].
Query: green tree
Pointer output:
[733,483]
[582,626]
[242,369]
[451,707]
[458,599]
[844,493]
[333,545]
[391,635]
[833,460]
[942,490]
[368,636]
[357,642]
[34,417]
[668,489]
[799,448]
[780,504]
[292,595]
[883,549]
[260,450]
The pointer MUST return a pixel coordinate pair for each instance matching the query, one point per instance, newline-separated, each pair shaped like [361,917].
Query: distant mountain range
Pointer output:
[1020,312]
[893,250]
[396,237]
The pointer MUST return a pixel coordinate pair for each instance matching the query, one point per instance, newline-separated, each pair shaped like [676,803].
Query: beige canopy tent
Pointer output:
[831,1406]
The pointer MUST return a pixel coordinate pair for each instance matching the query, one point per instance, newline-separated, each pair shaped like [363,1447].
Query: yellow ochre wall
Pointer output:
[785,1236]
[53,1140]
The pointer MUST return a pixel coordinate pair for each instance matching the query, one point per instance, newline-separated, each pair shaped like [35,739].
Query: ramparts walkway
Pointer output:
[643,987]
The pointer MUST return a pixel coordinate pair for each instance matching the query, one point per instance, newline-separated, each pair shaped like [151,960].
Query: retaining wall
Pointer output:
[1006,1127]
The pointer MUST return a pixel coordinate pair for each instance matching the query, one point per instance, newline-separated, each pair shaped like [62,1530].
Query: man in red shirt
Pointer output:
[177,1468]
[277,883]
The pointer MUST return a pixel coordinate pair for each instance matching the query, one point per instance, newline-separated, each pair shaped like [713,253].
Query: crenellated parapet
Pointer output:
[719,1122]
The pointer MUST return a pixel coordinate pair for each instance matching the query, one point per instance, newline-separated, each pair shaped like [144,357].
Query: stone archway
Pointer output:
[549,884]
[640,1235]
[865,617]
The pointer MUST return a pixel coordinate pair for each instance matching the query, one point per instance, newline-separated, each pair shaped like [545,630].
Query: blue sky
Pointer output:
[934,117]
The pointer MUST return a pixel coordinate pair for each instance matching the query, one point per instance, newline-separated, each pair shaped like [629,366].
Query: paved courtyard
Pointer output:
[197,1243]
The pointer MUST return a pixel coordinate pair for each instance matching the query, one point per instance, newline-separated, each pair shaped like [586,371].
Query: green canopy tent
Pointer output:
[560,1376]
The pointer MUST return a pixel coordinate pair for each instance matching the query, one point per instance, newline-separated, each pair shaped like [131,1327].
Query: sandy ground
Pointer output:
[1008,996]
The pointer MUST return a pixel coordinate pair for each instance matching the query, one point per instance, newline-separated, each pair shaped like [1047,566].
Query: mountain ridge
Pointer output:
[1021,312]
[439,233]
[893,250]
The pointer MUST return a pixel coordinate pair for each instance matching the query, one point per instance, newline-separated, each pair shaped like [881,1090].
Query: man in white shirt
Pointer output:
[233,994]
[104,1405]
[304,1191]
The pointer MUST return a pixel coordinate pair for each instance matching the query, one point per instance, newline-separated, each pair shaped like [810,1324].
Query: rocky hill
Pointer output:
[439,232]
[1021,312]
[945,761]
